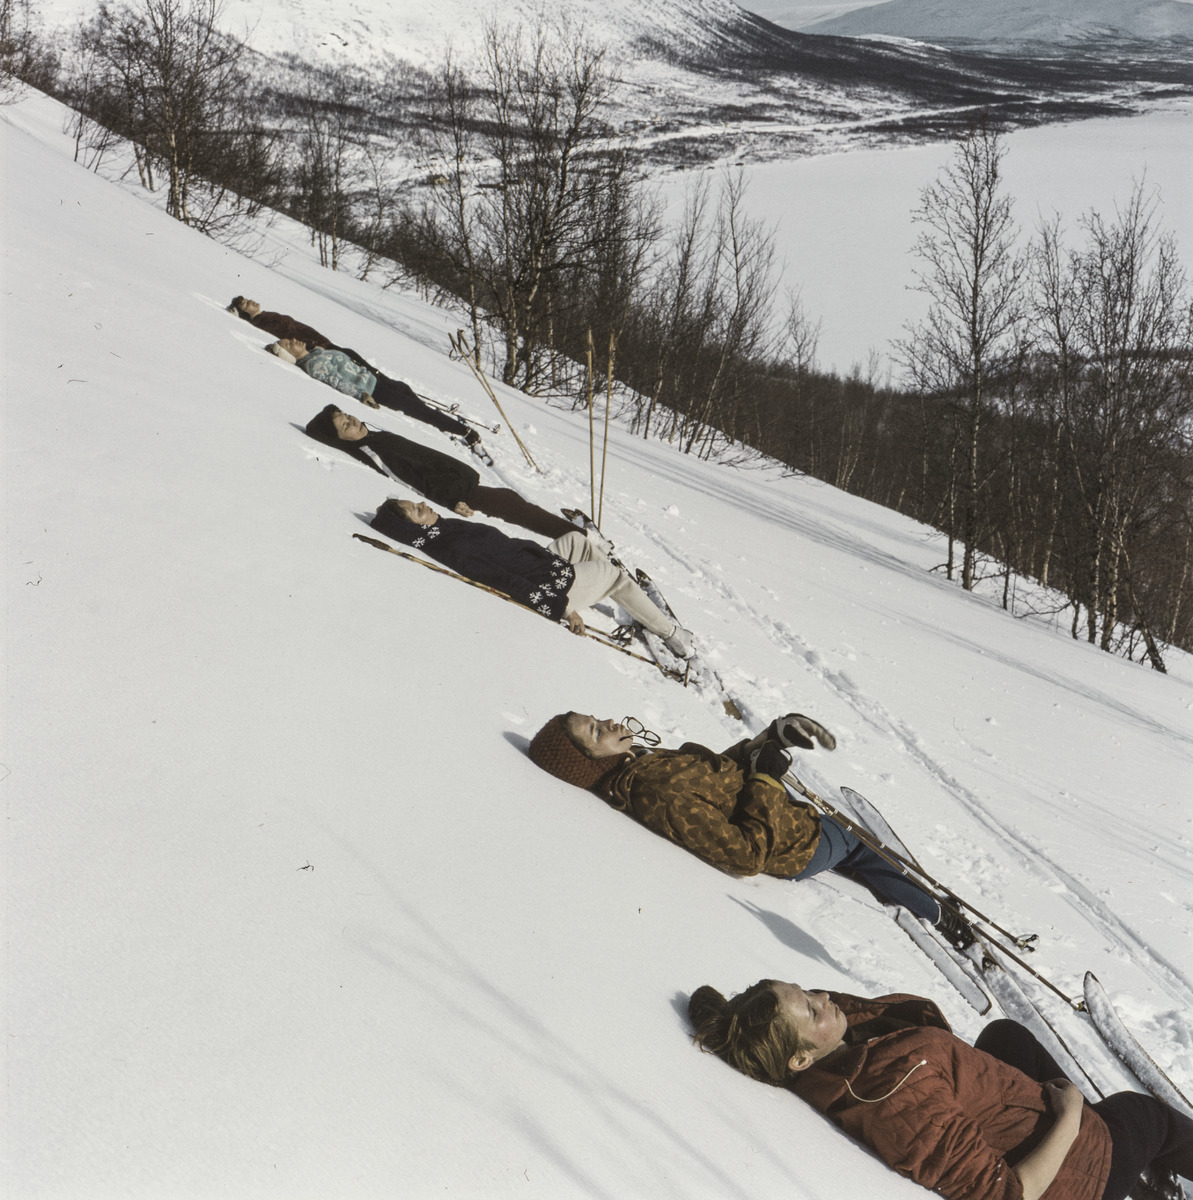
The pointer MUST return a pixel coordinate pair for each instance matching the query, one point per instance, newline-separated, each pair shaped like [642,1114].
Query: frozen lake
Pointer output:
[843,221]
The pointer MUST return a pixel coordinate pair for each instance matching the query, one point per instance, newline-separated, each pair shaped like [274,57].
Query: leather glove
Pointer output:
[770,759]
[797,730]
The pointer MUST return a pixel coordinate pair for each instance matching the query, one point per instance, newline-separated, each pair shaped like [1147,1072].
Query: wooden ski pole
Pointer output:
[608,406]
[459,346]
[453,410]
[591,432]
[952,901]
[597,635]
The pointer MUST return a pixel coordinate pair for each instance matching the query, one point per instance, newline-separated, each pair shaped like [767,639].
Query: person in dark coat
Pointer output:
[384,391]
[440,477]
[729,809]
[557,581]
[992,1121]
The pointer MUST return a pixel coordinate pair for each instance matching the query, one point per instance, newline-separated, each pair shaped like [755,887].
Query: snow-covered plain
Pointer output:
[843,227]
[1003,20]
[290,914]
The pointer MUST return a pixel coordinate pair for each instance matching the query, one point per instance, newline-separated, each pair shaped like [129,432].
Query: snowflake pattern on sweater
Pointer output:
[523,570]
[432,532]
[555,589]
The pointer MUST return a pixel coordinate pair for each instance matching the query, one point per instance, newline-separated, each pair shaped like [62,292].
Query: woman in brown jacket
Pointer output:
[993,1121]
[729,809]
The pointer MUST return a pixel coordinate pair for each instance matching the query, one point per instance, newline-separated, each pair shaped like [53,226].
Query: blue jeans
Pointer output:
[838,849]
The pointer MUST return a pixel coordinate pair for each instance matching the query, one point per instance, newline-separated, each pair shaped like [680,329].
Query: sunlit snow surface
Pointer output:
[290,914]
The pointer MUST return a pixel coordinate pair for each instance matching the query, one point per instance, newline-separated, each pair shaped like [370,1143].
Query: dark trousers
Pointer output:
[507,505]
[401,397]
[1143,1130]
[839,850]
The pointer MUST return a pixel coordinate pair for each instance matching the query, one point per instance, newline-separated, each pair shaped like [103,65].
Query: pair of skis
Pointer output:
[693,669]
[985,970]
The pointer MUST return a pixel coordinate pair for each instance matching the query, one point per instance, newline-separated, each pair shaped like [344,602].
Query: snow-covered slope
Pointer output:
[1015,20]
[289,912]
[418,30]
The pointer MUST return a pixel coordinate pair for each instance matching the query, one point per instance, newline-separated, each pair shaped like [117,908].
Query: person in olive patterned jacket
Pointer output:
[730,809]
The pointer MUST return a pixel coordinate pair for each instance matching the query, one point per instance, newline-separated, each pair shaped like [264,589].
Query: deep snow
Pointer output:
[290,914]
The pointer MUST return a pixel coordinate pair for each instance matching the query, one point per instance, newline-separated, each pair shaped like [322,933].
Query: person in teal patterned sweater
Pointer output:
[344,372]
[337,370]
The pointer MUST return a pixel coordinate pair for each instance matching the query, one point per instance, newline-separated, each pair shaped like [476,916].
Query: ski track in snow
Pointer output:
[703,576]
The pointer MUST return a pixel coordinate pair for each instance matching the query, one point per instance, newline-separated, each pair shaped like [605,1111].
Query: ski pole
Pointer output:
[591,434]
[991,945]
[608,406]
[459,347]
[596,634]
[453,410]
[905,865]
[953,903]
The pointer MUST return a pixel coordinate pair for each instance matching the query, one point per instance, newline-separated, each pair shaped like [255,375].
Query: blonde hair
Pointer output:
[748,1031]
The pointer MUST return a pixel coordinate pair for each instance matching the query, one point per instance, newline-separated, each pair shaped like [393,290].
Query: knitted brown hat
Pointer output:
[558,755]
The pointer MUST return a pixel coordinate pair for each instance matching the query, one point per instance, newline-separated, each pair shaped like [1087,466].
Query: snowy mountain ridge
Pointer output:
[703,81]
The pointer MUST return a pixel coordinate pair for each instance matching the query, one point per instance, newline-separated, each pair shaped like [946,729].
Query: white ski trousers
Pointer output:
[597,578]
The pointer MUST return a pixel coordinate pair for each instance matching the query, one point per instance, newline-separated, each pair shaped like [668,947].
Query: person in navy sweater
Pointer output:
[557,580]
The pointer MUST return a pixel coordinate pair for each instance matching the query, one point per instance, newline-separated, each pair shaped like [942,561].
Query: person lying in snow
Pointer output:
[992,1121]
[730,809]
[558,580]
[382,391]
[440,477]
[336,369]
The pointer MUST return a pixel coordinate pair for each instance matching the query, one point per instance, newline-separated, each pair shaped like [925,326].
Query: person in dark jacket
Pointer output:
[558,580]
[440,477]
[992,1121]
[730,809]
[382,392]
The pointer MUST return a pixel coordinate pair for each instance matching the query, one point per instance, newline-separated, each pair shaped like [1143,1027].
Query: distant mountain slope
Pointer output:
[1016,20]
[707,81]
[417,30]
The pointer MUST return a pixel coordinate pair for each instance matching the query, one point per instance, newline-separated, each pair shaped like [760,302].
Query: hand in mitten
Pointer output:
[797,730]
[770,759]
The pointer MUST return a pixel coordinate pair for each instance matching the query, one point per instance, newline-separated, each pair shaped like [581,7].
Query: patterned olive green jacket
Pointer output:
[705,802]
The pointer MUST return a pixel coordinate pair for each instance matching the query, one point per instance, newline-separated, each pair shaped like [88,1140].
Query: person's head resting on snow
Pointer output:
[771,1031]
[414,512]
[244,308]
[581,750]
[289,350]
[335,428]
